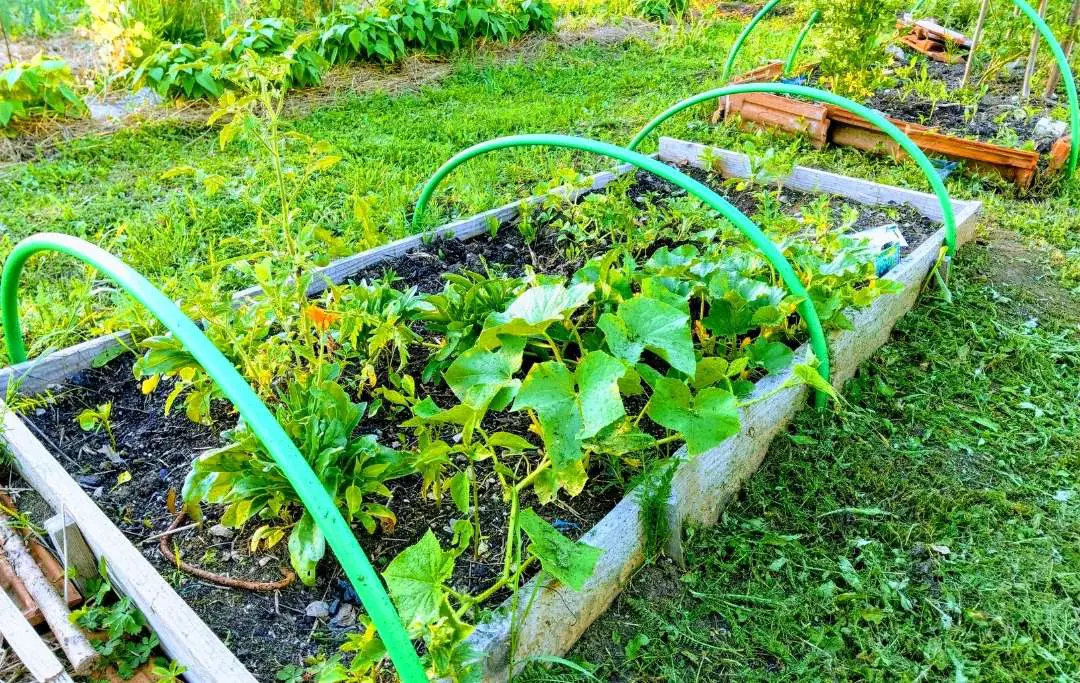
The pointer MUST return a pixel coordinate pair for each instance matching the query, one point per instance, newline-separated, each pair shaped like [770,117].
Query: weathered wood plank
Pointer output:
[734,164]
[183,635]
[36,375]
[28,645]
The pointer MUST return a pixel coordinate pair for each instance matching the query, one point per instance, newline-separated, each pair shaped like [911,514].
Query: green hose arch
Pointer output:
[747,30]
[251,409]
[1066,74]
[711,199]
[870,115]
[789,65]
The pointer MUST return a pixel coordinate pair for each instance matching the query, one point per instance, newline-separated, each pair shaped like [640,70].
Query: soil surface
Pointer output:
[999,109]
[132,481]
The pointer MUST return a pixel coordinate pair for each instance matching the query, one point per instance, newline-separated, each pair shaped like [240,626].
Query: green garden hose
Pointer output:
[789,65]
[258,418]
[870,115]
[1067,76]
[711,199]
[747,30]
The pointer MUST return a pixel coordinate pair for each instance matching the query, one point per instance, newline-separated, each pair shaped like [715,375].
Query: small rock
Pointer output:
[1014,71]
[317,609]
[99,492]
[263,561]
[345,617]
[1047,130]
[348,593]
[221,531]
[39,412]
[896,52]
[89,481]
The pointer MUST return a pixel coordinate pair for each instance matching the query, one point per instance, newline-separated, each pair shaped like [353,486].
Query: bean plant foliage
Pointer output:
[382,32]
[41,85]
[537,381]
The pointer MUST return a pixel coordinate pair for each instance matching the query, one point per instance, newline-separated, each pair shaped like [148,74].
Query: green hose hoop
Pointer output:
[747,30]
[258,418]
[1067,76]
[870,115]
[714,201]
[789,65]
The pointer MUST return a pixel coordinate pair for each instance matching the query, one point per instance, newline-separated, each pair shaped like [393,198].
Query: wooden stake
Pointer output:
[76,646]
[70,544]
[1055,72]
[975,40]
[1033,55]
[28,645]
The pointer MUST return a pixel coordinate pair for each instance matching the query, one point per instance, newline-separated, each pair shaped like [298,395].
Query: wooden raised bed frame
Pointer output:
[825,123]
[557,617]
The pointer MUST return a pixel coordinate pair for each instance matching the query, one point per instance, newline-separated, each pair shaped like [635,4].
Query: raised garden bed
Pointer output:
[987,137]
[156,449]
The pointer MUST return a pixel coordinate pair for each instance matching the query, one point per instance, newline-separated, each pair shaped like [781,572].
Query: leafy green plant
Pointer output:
[426,25]
[179,69]
[483,19]
[853,34]
[127,641]
[320,418]
[276,36]
[95,419]
[41,86]
[360,34]
[458,313]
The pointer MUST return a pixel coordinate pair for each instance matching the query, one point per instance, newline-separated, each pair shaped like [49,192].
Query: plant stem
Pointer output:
[531,477]
[554,347]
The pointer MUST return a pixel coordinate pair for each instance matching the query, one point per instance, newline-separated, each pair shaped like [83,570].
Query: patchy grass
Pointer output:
[928,530]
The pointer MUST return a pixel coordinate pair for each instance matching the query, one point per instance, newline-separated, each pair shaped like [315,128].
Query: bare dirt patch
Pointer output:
[1024,275]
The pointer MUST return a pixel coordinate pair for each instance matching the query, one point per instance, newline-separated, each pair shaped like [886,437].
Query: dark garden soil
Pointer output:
[999,110]
[268,631]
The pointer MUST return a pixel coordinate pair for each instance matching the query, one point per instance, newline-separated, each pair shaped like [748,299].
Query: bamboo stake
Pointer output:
[81,655]
[28,645]
[1033,55]
[1055,72]
[975,40]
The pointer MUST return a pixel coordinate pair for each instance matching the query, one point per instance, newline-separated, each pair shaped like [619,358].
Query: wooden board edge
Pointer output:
[183,635]
[806,179]
[37,375]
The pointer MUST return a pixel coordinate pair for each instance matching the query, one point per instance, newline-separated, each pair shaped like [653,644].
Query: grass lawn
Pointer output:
[927,530]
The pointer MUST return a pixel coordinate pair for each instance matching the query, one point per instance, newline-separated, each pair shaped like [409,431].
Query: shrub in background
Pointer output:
[39,86]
